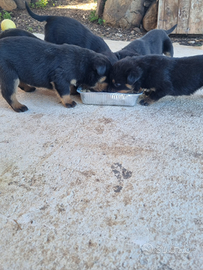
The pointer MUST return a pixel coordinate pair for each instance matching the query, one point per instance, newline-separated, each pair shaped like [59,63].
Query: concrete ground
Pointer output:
[102,187]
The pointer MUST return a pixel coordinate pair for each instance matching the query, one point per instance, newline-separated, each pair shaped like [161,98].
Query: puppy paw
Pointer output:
[21,108]
[145,100]
[71,105]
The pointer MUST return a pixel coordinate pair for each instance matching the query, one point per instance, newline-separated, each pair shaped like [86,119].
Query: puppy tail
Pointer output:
[35,16]
[171,29]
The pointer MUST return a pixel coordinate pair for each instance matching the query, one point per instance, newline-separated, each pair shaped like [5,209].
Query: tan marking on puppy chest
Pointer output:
[73,82]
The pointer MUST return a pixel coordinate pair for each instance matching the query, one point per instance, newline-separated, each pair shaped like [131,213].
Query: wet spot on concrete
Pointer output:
[126,174]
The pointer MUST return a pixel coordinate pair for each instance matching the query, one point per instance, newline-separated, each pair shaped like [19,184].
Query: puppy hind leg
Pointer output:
[25,87]
[9,88]
[64,95]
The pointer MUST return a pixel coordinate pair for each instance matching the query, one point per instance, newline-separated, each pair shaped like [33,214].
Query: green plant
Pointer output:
[93,17]
[5,15]
[101,21]
[30,29]
[40,4]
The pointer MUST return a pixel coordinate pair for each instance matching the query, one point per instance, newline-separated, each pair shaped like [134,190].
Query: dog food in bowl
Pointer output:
[106,98]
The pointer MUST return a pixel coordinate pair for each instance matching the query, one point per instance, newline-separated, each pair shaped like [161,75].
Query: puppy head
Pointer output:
[98,73]
[126,76]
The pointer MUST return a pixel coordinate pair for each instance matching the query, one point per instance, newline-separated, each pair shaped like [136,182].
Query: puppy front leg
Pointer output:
[151,96]
[63,91]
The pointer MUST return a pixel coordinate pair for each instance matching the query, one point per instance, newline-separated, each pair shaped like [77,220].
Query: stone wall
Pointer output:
[10,5]
[131,13]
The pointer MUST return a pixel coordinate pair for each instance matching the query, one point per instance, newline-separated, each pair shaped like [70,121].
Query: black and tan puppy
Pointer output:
[158,76]
[28,61]
[16,32]
[60,30]
[155,41]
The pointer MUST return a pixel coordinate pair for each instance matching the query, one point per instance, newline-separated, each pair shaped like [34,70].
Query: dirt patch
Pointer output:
[80,10]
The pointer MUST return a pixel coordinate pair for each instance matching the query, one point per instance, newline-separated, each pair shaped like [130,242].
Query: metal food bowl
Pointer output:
[105,98]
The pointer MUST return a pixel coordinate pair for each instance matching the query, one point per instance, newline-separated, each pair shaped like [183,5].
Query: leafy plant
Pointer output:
[94,17]
[30,29]
[5,15]
[40,4]
[101,21]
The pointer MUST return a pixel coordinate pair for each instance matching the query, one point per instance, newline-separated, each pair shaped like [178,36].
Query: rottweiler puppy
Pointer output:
[60,30]
[16,32]
[155,41]
[158,76]
[29,62]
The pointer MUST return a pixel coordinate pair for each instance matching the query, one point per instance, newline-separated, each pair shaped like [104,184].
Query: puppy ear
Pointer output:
[134,76]
[101,69]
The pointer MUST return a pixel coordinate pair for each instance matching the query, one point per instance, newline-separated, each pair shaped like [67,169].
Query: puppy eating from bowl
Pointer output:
[157,76]
[28,63]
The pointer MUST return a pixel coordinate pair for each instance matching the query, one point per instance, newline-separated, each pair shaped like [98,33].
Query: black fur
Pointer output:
[158,76]
[60,30]
[29,62]
[16,32]
[155,41]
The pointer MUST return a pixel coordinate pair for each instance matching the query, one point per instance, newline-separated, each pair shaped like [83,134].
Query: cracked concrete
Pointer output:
[102,187]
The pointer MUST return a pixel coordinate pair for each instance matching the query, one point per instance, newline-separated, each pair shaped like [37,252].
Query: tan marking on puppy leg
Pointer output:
[102,79]
[54,88]
[167,54]
[99,87]
[66,99]
[113,81]
[145,100]
[147,92]
[129,86]
[17,106]
[125,91]
[140,90]
[153,89]
[25,87]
